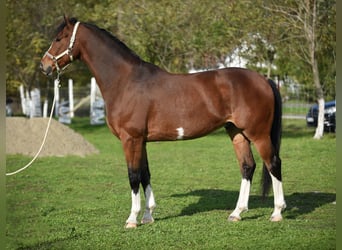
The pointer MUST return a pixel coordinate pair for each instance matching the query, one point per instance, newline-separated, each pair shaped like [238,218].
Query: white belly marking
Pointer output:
[180,132]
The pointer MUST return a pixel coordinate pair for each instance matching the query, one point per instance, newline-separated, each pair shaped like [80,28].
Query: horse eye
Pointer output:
[57,39]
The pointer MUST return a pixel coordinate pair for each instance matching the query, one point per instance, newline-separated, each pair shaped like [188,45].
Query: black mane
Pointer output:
[120,45]
[122,48]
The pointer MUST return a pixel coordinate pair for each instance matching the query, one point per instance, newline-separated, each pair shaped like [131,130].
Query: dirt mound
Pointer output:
[24,136]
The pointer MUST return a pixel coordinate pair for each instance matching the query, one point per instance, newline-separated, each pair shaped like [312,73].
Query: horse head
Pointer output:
[62,50]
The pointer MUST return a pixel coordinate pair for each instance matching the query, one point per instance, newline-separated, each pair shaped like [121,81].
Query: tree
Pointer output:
[29,32]
[261,38]
[172,34]
[25,40]
[307,21]
[180,34]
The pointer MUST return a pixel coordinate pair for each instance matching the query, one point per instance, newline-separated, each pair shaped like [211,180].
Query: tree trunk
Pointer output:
[320,124]
[311,35]
[320,98]
[269,68]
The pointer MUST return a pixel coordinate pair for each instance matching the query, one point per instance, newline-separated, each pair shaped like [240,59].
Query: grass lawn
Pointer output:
[82,203]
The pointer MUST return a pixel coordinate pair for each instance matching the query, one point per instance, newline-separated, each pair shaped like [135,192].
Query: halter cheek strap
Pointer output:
[66,52]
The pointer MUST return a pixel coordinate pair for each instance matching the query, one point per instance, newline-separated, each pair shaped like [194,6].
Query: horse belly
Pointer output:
[189,108]
[184,124]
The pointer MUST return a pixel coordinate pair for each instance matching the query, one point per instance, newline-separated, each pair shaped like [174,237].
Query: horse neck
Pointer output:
[104,61]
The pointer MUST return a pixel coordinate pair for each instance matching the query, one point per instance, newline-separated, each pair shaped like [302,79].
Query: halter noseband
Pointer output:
[66,52]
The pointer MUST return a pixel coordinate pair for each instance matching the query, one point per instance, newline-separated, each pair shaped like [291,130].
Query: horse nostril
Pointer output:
[48,71]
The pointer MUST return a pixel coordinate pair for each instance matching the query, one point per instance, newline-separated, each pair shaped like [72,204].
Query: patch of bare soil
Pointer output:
[24,136]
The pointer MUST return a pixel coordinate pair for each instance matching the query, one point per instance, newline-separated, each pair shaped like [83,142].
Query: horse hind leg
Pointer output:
[247,166]
[272,174]
[279,200]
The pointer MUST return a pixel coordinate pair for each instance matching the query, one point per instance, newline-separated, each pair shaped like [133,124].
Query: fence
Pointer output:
[70,102]
[87,101]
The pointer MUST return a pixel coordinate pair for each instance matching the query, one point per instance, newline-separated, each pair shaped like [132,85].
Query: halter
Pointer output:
[66,52]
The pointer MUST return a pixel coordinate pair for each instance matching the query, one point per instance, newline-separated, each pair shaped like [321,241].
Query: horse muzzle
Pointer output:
[46,70]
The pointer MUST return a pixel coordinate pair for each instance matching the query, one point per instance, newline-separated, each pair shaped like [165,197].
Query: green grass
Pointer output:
[296,107]
[82,203]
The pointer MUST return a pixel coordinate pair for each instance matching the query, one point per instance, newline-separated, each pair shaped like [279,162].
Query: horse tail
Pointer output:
[276,132]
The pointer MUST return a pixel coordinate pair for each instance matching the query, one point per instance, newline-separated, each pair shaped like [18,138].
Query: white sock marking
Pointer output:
[244,194]
[135,208]
[180,131]
[277,192]
[279,201]
[150,203]
[242,203]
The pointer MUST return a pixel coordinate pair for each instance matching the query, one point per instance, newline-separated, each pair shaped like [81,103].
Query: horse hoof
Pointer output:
[276,218]
[147,221]
[234,218]
[131,225]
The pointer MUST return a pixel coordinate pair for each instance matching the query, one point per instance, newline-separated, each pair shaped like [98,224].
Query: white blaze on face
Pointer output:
[180,132]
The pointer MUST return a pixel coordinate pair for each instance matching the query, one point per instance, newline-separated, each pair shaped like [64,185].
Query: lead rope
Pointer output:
[45,136]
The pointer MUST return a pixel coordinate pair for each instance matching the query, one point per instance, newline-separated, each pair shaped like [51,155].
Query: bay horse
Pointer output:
[145,103]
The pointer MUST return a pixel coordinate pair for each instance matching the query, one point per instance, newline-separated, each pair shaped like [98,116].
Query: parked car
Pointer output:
[329,116]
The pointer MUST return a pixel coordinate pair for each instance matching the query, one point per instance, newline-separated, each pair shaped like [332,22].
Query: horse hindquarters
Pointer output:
[266,139]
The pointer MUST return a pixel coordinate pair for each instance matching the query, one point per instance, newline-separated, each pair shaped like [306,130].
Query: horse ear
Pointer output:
[66,20]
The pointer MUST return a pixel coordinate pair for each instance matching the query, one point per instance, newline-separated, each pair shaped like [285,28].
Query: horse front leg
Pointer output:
[145,181]
[150,205]
[138,172]
[134,180]
[133,152]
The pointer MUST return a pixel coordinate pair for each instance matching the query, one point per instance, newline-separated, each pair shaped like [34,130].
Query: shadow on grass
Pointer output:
[215,199]
[57,243]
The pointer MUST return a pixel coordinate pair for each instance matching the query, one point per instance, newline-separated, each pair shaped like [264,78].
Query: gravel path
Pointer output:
[24,136]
